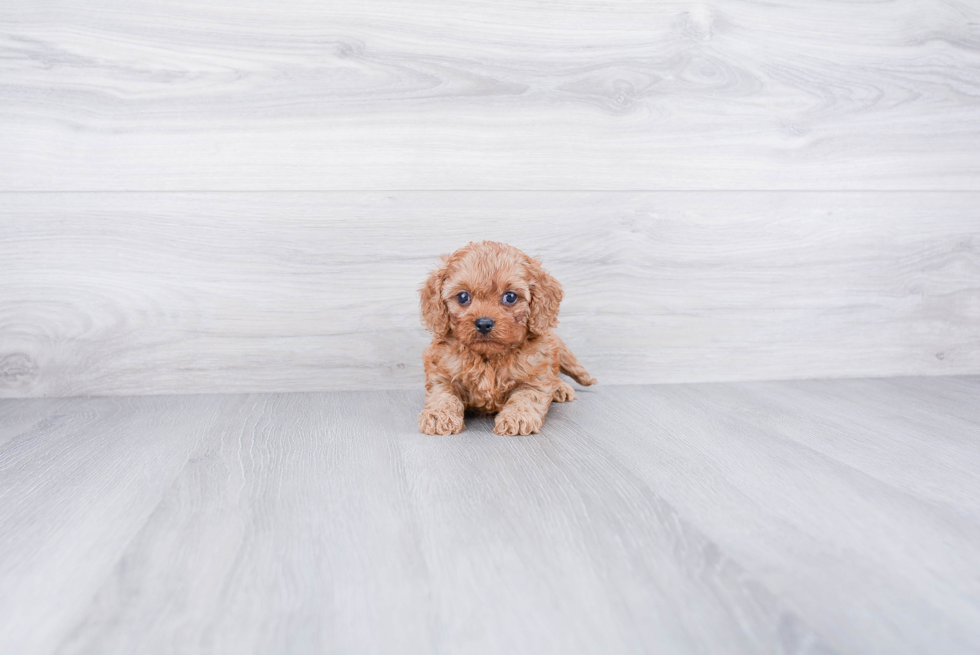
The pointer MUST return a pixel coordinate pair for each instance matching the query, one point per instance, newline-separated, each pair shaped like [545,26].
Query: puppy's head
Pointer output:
[491,297]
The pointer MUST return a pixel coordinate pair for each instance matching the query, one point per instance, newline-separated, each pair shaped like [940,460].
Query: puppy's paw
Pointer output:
[587,382]
[513,422]
[440,421]
[564,393]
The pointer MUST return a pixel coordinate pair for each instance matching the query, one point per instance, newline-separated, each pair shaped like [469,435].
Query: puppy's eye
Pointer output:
[509,298]
[463,298]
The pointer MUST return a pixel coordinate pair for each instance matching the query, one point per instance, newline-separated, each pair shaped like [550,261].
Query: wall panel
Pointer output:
[510,94]
[138,293]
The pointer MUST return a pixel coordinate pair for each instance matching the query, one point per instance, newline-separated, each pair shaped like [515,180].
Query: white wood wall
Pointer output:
[244,196]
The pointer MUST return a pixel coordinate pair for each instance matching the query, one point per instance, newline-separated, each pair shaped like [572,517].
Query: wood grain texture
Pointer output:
[593,94]
[78,479]
[153,293]
[775,517]
[818,476]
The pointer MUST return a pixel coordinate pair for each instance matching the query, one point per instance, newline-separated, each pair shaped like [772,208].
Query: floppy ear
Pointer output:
[545,298]
[435,316]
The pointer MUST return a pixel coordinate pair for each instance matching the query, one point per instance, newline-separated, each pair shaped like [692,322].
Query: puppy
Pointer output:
[490,309]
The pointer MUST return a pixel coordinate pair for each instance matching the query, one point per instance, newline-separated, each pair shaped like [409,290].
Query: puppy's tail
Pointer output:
[570,365]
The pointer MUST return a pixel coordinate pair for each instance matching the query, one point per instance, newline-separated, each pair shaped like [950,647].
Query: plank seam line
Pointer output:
[651,191]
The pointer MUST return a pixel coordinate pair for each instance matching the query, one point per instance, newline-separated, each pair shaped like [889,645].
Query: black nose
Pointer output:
[484,325]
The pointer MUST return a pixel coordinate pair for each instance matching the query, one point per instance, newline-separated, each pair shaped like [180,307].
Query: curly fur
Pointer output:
[513,370]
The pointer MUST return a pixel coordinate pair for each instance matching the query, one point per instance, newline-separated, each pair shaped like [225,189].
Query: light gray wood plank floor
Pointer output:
[767,517]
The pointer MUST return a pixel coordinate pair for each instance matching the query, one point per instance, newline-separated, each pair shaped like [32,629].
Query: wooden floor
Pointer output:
[768,517]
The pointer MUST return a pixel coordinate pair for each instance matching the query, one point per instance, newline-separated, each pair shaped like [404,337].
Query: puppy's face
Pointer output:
[490,296]
[488,303]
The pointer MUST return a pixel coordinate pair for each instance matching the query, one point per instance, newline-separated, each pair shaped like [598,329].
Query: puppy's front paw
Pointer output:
[564,393]
[440,421]
[513,422]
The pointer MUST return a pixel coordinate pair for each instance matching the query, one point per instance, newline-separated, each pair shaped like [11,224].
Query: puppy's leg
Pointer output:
[564,393]
[570,365]
[524,411]
[443,413]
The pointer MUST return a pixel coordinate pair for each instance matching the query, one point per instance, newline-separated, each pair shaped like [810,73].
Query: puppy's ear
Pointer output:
[545,297]
[435,316]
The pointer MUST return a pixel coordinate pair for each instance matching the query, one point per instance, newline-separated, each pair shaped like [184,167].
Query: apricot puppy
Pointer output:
[490,309]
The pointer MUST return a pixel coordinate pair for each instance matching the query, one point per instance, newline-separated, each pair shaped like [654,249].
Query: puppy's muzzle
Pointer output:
[484,325]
